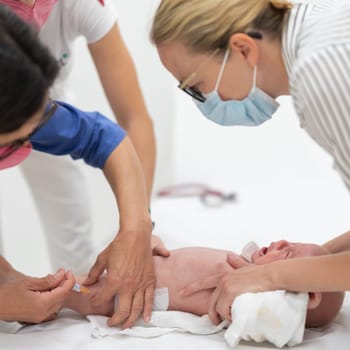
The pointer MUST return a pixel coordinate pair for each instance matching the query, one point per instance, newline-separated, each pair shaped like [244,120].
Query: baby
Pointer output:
[187,265]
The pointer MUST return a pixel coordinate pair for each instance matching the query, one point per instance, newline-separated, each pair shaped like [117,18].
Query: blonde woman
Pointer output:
[234,57]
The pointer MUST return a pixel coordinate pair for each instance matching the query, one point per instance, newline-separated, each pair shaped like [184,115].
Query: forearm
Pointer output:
[6,270]
[124,174]
[142,136]
[120,83]
[338,244]
[5,266]
[319,274]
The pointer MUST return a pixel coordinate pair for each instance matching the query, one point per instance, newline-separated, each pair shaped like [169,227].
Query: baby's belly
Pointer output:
[185,266]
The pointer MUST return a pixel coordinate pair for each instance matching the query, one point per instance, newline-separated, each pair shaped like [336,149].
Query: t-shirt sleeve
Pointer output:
[83,135]
[92,19]
[320,90]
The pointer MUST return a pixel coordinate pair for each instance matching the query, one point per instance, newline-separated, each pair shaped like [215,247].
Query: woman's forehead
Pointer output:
[178,59]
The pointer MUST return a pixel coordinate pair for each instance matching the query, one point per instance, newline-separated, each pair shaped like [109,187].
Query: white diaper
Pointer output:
[160,302]
[277,317]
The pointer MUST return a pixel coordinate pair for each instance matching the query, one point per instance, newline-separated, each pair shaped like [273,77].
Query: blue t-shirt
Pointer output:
[86,135]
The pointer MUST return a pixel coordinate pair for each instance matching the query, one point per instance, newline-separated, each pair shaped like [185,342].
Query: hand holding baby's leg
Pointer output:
[80,302]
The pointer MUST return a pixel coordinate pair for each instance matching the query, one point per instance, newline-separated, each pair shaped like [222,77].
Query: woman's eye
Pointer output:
[195,88]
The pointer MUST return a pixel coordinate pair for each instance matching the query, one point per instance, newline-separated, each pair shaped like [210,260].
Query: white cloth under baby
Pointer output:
[277,317]
[10,327]
[162,322]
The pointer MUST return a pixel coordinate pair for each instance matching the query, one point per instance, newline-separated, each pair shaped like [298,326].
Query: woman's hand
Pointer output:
[245,278]
[130,274]
[234,260]
[34,300]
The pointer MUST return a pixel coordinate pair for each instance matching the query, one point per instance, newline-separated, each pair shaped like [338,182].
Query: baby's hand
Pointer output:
[158,247]
[237,261]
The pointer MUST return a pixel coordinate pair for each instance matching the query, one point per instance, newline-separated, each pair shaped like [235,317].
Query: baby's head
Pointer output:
[322,307]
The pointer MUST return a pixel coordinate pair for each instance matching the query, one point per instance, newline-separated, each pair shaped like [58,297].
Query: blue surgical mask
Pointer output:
[254,110]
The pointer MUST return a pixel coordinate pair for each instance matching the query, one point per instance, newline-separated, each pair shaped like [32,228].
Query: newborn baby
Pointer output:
[187,265]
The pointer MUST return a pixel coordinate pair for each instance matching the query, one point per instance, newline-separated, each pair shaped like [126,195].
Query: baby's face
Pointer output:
[286,250]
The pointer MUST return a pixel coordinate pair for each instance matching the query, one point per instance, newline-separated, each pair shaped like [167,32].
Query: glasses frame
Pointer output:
[15,145]
[190,90]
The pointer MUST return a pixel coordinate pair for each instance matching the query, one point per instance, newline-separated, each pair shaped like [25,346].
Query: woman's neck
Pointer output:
[272,72]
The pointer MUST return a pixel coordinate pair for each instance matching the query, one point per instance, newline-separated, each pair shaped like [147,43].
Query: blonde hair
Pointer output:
[205,25]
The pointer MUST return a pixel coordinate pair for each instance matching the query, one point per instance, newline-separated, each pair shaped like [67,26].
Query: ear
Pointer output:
[246,46]
[315,299]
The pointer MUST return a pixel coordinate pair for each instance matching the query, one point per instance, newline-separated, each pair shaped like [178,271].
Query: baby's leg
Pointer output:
[80,302]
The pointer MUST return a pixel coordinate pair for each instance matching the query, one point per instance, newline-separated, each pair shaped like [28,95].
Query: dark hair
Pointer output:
[27,70]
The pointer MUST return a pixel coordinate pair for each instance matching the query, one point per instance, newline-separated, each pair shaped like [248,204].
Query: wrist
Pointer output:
[142,226]
[10,275]
[6,270]
[272,279]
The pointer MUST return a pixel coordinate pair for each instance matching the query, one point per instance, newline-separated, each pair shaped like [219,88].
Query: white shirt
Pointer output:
[316,52]
[69,20]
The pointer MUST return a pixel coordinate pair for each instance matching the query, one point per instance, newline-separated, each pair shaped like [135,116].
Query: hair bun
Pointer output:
[281,4]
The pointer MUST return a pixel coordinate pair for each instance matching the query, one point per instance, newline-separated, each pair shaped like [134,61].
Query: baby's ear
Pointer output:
[315,299]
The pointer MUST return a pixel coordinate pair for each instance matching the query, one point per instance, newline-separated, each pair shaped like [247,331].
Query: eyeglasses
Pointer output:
[192,90]
[15,145]
[208,196]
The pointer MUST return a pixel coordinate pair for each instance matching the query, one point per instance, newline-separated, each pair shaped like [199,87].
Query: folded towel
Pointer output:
[277,317]
[161,323]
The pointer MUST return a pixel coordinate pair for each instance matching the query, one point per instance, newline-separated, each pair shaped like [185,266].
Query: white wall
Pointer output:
[285,183]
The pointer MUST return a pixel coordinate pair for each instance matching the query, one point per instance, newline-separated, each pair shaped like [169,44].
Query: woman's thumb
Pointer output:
[43,284]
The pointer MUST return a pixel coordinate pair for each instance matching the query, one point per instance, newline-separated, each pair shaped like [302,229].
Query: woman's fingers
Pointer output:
[122,309]
[96,271]
[206,283]
[45,283]
[136,310]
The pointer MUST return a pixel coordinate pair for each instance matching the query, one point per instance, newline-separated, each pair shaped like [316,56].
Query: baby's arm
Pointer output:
[182,267]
